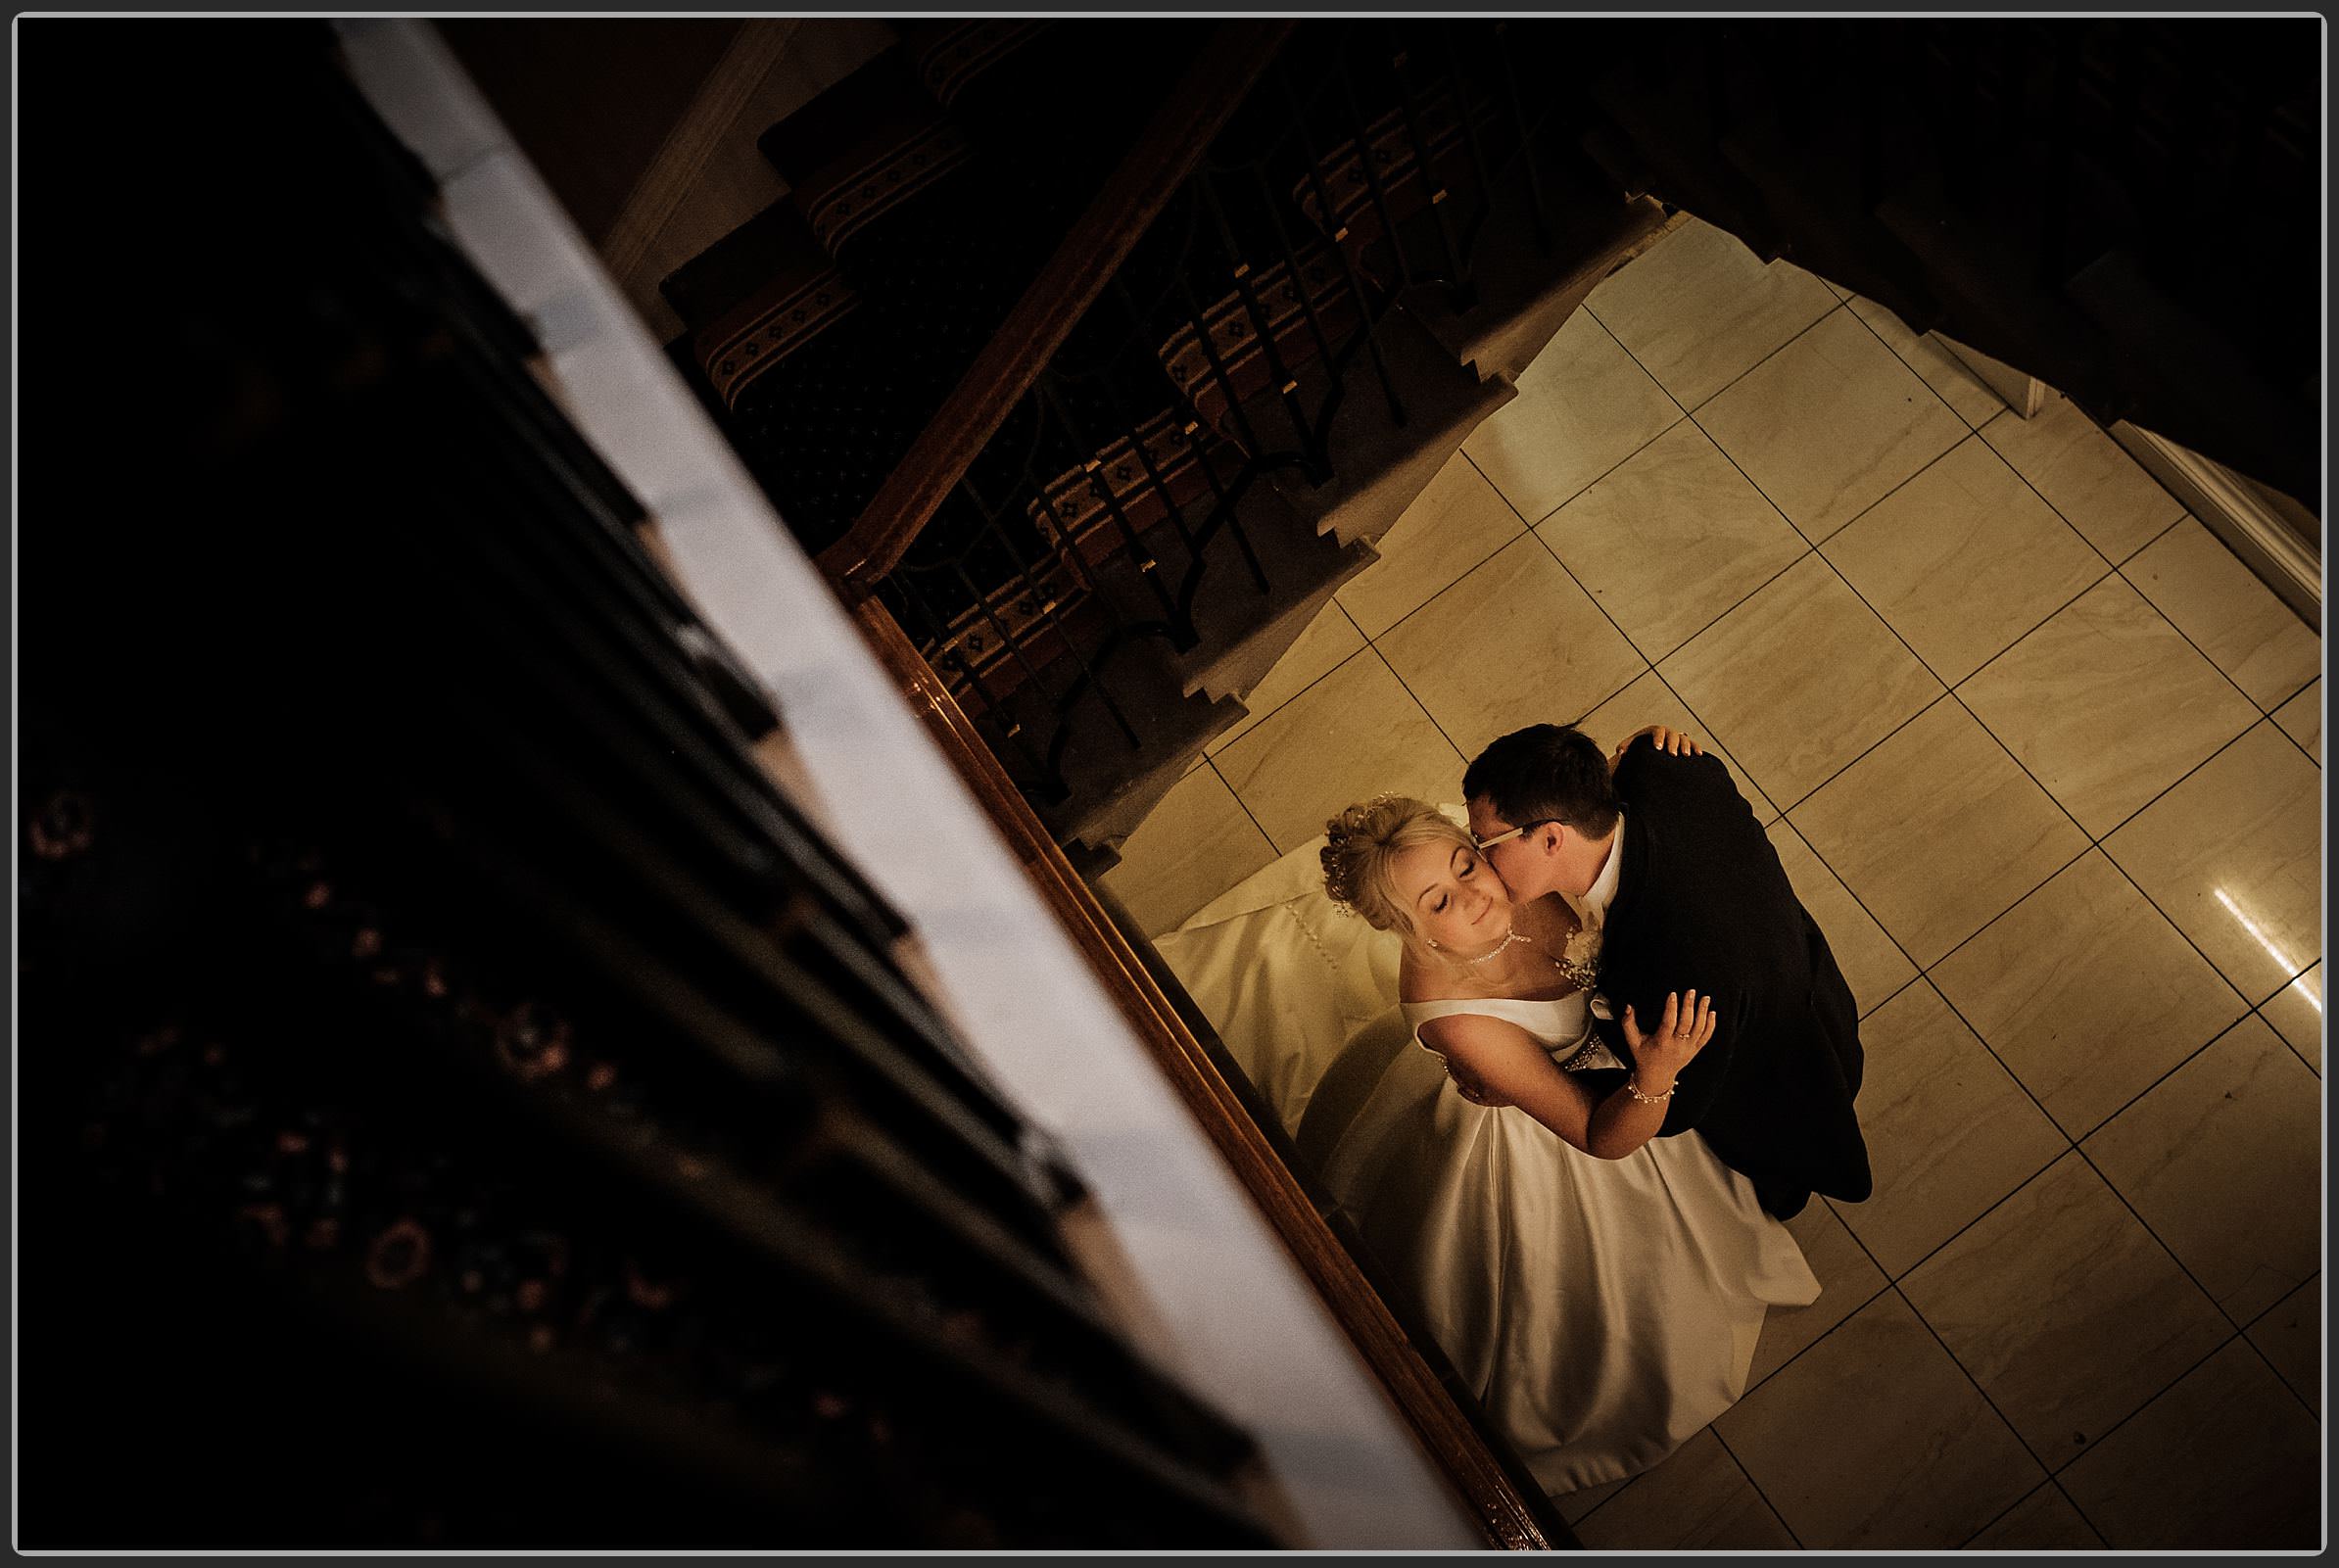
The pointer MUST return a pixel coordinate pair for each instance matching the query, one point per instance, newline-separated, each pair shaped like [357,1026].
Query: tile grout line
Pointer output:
[2124,822]
[1244,806]
[2045,1470]
[2121,571]
[2183,511]
[2102,1540]
[2267,1362]
[1674,692]
[1768,356]
[2003,405]
[2223,1312]
[1751,1482]
[2113,1430]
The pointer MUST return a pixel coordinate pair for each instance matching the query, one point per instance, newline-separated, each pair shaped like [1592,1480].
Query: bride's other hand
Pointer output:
[1673,743]
[1687,1024]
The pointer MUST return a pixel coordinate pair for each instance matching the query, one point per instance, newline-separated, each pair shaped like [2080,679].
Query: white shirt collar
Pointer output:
[1592,908]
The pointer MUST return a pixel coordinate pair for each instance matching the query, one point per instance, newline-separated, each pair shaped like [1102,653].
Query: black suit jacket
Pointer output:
[1702,901]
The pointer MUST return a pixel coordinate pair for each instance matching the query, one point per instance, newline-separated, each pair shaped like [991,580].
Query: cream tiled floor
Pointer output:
[2043,760]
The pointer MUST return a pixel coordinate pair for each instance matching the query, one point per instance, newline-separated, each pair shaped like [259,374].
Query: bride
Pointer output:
[1600,1288]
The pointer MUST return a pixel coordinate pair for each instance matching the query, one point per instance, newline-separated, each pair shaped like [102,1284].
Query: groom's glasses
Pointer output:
[1485,844]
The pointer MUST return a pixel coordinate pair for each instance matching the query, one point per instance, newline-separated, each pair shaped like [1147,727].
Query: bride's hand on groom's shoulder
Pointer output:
[1681,1033]
[1673,743]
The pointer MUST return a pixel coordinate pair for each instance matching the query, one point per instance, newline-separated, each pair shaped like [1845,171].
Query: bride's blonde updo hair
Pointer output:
[1362,844]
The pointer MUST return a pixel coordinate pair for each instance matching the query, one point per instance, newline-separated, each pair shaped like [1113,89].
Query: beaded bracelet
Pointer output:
[1633,1089]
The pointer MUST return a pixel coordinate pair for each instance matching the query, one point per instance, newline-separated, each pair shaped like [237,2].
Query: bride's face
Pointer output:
[1453,895]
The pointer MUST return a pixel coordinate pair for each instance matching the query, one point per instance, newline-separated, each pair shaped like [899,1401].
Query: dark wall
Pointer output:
[590,102]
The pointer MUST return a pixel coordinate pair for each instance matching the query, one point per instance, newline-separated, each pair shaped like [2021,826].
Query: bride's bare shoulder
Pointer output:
[1418,981]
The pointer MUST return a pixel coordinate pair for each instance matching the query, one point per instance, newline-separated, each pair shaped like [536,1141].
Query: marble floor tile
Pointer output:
[1873,964]
[1671,540]
[2107,705]
[1582,407]
[1698,309]
[1650,700]
[1354,733]
[1514,643]
[1937,832]
[2233,855]
[2290,1337]
[1459,521]
[1963,559]
[1830,424]
[2224,1461]
[2296,1014]
[1940,369]
[2084,475]
[1848,1280]
[1193,847]
[1697,1500]
[2087,993]
[2300,719]
[1799,680]
[1874,1439]
[2043,1521]
[1949,1132]
[1330,640]
[2231,616]
[2223,1159]
[2066,1310]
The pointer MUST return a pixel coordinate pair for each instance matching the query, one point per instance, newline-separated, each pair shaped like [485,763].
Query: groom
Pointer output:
[1665,858]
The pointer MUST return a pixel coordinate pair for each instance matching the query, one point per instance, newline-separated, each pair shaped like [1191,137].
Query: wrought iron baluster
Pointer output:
[1068,555]
[1537,208]
[1148,567]
[1338,234]
[1218,372]
[1044,778]
[1479,173]
[1223,508]
[1194,543]
[1007,639]
[1304,294]
[1425,162]
[1361,137]
[1287,385]
[1044,605]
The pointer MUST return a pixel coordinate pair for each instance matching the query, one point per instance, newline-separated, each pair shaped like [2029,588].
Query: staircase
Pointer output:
[1378,238]
[1100,354]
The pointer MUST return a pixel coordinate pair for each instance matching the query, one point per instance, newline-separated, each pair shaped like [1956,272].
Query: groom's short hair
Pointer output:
[1546,773]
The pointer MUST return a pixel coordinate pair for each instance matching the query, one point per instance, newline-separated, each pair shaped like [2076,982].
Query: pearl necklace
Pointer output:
[1582,970]
[1496,950]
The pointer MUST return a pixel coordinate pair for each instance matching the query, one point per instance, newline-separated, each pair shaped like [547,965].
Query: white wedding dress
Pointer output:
[1602,1310]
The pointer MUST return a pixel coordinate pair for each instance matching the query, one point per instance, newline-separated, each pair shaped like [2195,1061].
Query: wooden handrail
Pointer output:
[1195,110]
[1437,1424]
